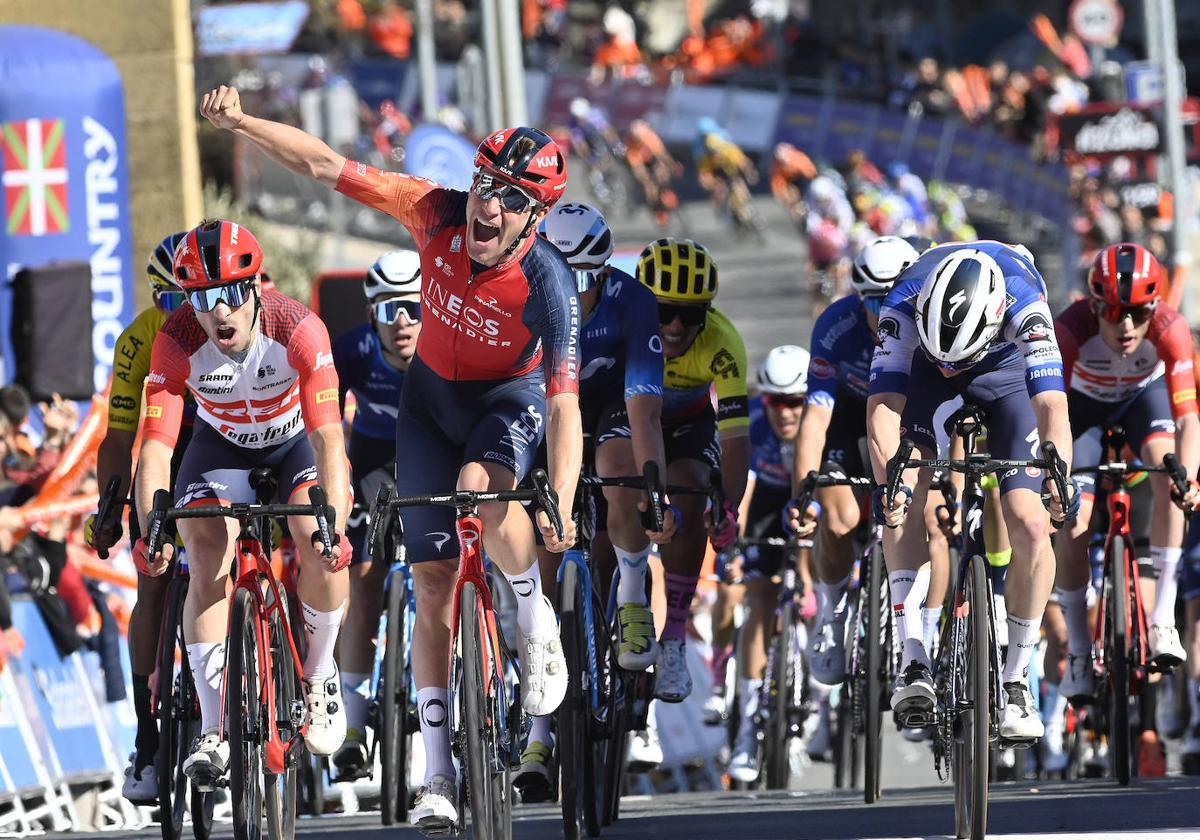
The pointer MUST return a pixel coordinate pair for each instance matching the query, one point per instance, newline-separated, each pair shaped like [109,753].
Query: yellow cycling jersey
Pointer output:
[131,364]
[723,157]
[717,358]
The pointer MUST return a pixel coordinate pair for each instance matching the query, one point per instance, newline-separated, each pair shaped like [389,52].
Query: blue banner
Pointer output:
[64,175]
[14,751]
[242,28]
[437,153]
[377,80]
[57,698]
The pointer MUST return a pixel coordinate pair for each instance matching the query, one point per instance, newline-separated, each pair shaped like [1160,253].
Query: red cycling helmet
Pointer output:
[216,253]
[1126,275]
[528,158]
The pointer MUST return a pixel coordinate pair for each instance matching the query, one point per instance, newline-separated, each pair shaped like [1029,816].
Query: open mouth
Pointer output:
[226,333]
[484,232]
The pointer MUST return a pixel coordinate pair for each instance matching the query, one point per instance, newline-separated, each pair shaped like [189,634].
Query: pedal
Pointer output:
[915,718]
[296,713]
[1022,744]
[438,828]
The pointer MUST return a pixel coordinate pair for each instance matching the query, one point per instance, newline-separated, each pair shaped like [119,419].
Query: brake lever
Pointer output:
[547,500]
[377,527]
[325,518]
[652,516]
[104,508]
[1057,468]
[895,469]
[162,503]
[716,492]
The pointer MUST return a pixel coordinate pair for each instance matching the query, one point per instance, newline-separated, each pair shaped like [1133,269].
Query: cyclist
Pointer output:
[496,367]
[598,144]
[704,353]
[774,426]
[259,367]
[620,384]
[371,360]
[977,314]
[1128,361]
[653,167]
[791,172]
[725,171]
[833,432]
[115,457]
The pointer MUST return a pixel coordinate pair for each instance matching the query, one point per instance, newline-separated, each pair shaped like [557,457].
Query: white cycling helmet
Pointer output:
[879,264]
[960,307]
[394,273]
[784,371]
[580,232]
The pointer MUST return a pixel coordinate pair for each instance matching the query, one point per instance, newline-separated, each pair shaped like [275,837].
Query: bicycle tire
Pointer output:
[176,723]
[474,717]
[844,753]
[778,729]
[961,766]
[393,708]
[1117,656]
[312,784]
[596,736]
[282,788]
[620,716]
[874,696]
[980,681]
[571,728]
[243,719]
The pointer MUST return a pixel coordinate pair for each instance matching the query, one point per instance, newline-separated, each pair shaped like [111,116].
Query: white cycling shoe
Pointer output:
[543,670]
[326,730]
[435,812]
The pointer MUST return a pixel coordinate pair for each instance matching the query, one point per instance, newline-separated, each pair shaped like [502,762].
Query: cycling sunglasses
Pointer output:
[960,366]
[388,311]
[512,198]
[783,400]
[688,315]
[1115,313]
[169,301]
[233,295]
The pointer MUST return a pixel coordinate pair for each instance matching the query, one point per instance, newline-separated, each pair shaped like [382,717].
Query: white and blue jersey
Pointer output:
[621,352]
[771,459]
[362,369]
[841,350]
[1025,343]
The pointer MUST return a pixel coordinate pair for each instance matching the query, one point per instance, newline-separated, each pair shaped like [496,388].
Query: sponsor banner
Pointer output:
[1105,130]
[57,699]
[623,102]
[18,760]
[437,153]
[64,174]
[249,28]
[376,80]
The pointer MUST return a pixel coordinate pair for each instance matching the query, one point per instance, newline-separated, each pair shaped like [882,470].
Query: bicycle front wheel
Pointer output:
[393,707]
[874,698]
[782,693]
[281,787]
[244,719]
[478,720]
[979,695]
[1117,660]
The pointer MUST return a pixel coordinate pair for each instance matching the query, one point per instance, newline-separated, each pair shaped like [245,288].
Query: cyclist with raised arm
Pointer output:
[704,353]
[774,426]
[371,360]
[620,387]
[970,320]
[496,368]
[131,364]
[1127,358]
[259,367]
[833,433]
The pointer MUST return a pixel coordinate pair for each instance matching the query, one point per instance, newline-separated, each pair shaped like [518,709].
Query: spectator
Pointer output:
[391,30]
[619,56]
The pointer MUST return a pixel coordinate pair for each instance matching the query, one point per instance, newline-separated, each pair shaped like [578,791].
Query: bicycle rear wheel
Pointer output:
[1117,661]
[243,719]
[281,788]
[979,698]
[582,802]
[873,699]
[845,757]
[778,730]
[393,707]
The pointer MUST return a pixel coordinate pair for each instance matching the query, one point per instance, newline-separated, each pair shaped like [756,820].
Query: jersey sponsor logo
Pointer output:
[273,434]
[1181,367]
[215,390]
[656,344]
[596,365]
[328,395]
[724,365]
[444,266]
[124,403]
[154,411]
[216,377]
[440,538]
[1183,396]
[323,360]
[265,371]
[888,327]
[1045,372]
[820,368]
[456,243]
[839,329]
[451,310]
[524,430]
[1035,327]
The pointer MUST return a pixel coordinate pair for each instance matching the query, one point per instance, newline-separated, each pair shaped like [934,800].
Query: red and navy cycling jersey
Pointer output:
[478,323]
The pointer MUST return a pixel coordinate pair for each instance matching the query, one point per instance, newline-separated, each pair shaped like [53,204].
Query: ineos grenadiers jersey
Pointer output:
[496,323]
[285,385]
[361,368]
[1026,338]
[621,345]
[841,350]
[770,458]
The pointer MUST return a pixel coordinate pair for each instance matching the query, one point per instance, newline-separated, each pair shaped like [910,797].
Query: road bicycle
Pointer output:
[1121,634]
[393,713]
[486,724]
[970,698]
[173,696]
[264,714]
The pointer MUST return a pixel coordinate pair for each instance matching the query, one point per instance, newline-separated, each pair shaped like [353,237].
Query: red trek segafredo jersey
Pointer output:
[286,384]
[497,324]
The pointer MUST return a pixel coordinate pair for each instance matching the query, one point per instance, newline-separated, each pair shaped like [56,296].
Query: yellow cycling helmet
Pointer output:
[678,270]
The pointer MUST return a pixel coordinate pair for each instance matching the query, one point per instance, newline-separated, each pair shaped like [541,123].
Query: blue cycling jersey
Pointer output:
[841,350]
[770,458]
[361,368]
[621,348]
[1025,342]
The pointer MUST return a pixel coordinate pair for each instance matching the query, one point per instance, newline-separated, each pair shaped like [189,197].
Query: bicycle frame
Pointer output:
[1135,614]
[577,557]
[256,576]
[398,574]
